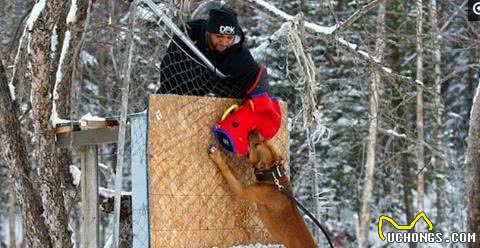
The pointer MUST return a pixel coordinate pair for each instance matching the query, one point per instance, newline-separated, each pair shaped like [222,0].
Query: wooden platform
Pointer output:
[190,202]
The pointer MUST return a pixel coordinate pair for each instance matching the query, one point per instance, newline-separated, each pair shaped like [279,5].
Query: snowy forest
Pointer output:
[382,95]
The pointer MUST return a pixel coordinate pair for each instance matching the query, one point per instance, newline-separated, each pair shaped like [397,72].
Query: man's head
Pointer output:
[222,28]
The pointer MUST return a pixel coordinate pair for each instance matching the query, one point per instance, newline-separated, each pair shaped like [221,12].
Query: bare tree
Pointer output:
[14,151]
[372,132]
[123,124]
[51,184]
[420,122]
[439,163]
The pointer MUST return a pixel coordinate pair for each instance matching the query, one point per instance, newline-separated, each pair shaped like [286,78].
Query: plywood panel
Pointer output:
[190,202]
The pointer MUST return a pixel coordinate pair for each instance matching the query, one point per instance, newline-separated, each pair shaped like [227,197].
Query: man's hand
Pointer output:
[215,154]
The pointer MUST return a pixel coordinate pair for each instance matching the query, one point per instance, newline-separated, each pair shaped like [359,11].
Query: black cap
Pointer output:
[222,21]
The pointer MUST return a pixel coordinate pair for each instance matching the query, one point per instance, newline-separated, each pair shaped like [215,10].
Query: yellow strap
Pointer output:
[228,111]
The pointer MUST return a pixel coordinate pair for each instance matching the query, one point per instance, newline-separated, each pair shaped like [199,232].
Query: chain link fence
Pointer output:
[163,64]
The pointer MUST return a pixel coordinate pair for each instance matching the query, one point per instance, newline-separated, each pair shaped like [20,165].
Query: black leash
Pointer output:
[274,174]
[289,196]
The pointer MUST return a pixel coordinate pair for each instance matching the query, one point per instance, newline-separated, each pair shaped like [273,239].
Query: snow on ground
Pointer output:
[90,117]
[110,193]
[258,246]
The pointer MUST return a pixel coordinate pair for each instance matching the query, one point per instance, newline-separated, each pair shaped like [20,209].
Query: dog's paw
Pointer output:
[212,148]
[214,153]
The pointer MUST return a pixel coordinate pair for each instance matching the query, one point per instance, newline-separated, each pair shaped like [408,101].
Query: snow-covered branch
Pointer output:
[359,13]
[393,133]
[36,11]
[77,22]
[54,119]
[315,27]
[21,47]
[259,51]
[309,25]
[72,13]
[34,14]
[327,32]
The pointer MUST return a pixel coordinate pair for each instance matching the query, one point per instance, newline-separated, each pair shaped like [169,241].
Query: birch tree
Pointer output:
[473,169]
[123,124]
[419,110]
[372,132]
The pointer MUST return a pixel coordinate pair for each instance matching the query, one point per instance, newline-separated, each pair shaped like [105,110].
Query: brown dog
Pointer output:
[279,215]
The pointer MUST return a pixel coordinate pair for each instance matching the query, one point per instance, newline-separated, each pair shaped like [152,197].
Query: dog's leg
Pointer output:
[254,193]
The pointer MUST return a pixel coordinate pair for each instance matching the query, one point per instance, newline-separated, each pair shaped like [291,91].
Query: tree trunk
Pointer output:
[439,163]
[408,186]
[405,115]
[51,180]
[123,125]
[14,152]
[12,216]
[473,169]
[77,23]
[420,123]
[372,132]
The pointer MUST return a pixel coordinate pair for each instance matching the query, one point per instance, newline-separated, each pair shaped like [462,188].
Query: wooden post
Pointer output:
[89,184]
[87,140]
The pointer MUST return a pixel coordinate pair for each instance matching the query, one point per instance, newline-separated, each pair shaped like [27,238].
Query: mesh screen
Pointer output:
[190,203]
[182,71]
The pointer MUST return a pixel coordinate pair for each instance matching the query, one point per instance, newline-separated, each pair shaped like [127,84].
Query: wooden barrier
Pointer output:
[190,202]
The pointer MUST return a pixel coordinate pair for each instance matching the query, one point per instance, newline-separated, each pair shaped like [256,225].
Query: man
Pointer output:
[220,39]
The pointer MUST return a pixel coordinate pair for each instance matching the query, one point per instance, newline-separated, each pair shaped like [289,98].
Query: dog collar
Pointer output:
[275,173]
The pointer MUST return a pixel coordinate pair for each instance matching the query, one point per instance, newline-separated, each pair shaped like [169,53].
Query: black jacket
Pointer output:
[183,73]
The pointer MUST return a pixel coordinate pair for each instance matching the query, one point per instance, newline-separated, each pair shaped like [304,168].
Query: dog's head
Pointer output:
[261,153]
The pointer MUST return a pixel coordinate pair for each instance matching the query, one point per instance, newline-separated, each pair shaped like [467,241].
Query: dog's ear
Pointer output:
[274,151]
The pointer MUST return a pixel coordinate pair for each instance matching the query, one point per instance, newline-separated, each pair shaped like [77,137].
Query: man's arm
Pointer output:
[260,84]
[253,77]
